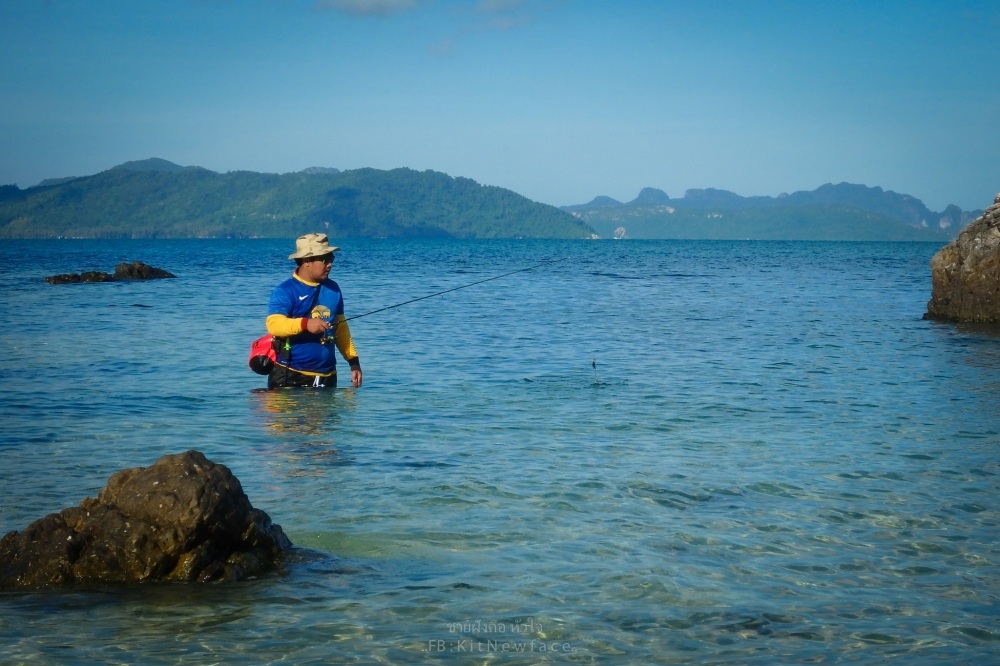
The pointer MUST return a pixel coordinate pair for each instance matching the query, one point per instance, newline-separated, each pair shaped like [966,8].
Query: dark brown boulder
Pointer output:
[965,273]
[137,270]
[183,518]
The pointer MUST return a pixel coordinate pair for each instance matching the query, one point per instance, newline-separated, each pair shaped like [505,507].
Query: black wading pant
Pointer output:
[282,377]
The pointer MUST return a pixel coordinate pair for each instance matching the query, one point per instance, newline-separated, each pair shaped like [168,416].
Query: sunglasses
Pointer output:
[326,259]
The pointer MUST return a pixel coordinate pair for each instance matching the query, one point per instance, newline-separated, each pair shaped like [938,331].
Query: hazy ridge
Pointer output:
[831,212]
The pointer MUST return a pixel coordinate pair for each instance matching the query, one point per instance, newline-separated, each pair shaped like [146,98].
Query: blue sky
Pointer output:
[558,100]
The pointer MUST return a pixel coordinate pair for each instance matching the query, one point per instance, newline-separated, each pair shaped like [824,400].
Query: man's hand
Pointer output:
[317,326]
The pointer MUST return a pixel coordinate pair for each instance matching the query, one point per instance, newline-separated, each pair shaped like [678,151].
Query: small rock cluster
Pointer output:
[965,273]
[135,270]
[183,518]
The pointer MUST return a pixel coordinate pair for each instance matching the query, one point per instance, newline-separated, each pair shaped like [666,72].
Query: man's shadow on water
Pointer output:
[301,424]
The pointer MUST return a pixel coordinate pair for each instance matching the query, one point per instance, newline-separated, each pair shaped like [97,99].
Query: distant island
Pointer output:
[831,212]
[155,198]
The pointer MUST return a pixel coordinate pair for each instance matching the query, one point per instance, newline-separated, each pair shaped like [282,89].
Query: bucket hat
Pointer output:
[312,245]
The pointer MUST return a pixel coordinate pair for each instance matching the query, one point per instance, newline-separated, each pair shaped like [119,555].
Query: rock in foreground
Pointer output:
[966,273]
[183,518]
[135,270]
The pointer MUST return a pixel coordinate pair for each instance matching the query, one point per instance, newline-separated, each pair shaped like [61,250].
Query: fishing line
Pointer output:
[446,291]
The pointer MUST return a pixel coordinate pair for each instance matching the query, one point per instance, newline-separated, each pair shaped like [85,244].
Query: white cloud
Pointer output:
[507,22]
[445,47]
[368,7]
[504,14]
[495,6]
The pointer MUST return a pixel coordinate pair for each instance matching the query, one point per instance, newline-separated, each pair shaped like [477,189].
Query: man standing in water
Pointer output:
[306,317]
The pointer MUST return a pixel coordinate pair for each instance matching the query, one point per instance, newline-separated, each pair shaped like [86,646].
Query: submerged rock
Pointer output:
[183,518]
[965,273]
[135,270]
[89,276]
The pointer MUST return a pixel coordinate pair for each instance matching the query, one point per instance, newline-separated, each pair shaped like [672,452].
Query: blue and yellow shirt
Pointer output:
[311,354]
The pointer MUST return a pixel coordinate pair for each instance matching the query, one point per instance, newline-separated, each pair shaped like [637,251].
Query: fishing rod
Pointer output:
[446,291]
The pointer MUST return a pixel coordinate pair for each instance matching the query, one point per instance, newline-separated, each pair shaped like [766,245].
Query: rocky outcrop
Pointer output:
[88,276]
[651,196]
[183,518]
[135,270]
[965,273]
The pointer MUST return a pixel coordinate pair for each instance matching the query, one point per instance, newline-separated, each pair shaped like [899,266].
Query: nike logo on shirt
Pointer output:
[302,298]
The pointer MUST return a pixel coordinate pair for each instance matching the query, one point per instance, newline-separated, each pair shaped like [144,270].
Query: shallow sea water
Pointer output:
[655,452]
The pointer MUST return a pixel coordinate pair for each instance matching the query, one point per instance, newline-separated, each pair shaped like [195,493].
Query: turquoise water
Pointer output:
[651,452]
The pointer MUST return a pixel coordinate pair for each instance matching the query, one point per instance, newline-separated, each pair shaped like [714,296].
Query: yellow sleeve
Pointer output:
[342,336]
[281,326]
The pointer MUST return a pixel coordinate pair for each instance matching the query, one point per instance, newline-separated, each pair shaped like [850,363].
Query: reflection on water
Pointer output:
[303,424]
[303,411]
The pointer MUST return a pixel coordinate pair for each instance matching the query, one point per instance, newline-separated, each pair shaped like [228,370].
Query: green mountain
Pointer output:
[158,199]
[155,198]
[831,212]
